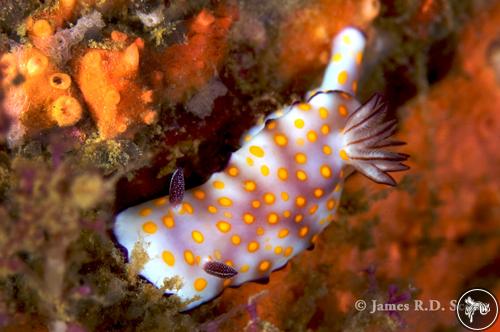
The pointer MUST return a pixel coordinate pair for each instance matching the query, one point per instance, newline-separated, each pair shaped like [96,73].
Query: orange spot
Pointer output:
[287,213]
[197,236]
[272,218]
[256,151]
[253,246]
[224,226]
[343,155]
[199,194]
[168,221]
[200,284]
[342,78]
[330,204]
[299,123]
[233,171]
[283,233]
[160,201]
[359,58]
[323,113]
[284,196]
[271,125]
[225,201]
[149,227]
[313,209]
[260,231]
[312,136]
[327,150]
[325,171]
[255,204]
[301,175]
[299,218]
[282,174]
[248,218]
[314,239]
[318,192]
[304,106]
[278,250]
[264,265]
[280,140]
[343,110]
[300,201]
[264,170]
[236,240]
[288,251]
[218,185]
[303,231]
[300,158]
[244,268]
[145,212]
[249,161]
[249,185]
[269,198]
[189,257]
[212,209]
[168,258]
[325,129]
[336,57]
[186,207]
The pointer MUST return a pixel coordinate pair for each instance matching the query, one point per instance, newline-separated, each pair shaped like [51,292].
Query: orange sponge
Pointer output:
[111,85]
[44,98]
[184,68]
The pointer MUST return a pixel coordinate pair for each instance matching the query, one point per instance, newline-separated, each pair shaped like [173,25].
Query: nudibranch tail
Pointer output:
[343,70]
[365,133]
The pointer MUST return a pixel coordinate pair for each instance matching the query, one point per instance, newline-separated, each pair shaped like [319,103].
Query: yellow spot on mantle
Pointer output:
[224,226]
[149,227]
[253,246]
[343,155]
[197,236]
[168,258]
[145,212]
[200,284]
[257,151]
[342,78]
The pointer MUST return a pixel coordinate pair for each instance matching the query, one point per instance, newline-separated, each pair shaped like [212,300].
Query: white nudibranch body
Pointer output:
[278,192]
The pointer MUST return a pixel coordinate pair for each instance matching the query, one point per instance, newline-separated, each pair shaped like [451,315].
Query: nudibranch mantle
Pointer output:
[277,193]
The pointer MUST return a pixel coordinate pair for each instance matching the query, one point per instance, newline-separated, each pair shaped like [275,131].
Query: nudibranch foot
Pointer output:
[365,133]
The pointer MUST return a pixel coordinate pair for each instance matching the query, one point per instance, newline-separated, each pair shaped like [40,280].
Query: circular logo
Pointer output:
[477,309]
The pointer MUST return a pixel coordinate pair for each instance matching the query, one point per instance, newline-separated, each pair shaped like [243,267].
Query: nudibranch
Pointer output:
[277,193]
